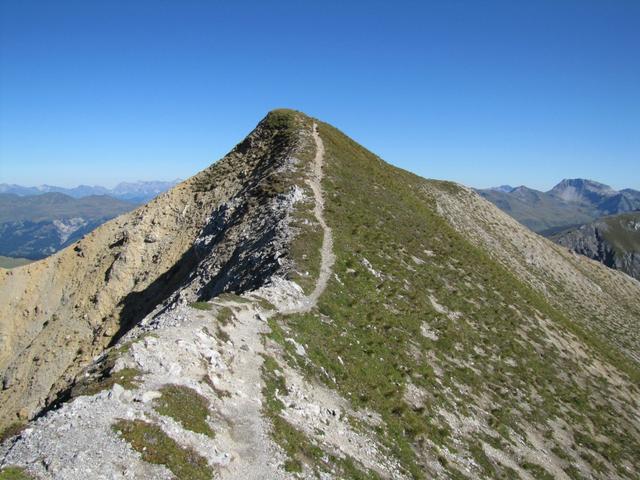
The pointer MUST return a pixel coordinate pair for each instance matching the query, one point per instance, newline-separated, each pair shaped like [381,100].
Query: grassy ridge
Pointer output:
[489,352]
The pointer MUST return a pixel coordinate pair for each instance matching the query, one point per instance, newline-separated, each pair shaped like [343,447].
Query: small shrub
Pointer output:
[157,447]
[200,305]
[126,378]
[14,473]
[185,406]
[11,430]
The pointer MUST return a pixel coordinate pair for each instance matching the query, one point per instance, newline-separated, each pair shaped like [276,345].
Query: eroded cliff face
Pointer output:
[225,229]
[613,241]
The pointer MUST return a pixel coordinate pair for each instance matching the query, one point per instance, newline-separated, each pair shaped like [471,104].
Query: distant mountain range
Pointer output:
[135,192]
[589,218]
[36,226]
[570,203]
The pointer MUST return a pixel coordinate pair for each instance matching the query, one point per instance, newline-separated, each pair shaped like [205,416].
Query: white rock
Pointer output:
[146,397]
[116,391]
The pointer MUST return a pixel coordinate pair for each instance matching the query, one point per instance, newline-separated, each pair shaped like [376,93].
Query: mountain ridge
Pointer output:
[448,342]
[569,203]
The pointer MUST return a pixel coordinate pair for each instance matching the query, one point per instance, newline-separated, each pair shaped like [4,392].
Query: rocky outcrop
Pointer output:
[613,241]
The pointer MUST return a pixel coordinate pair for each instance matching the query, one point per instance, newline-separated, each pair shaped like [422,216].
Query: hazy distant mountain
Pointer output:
[38,225]
[613,241]
[136,192]
[603,198]
[141,192]
[502,188]
[571,202]
[632,194]
[578,190]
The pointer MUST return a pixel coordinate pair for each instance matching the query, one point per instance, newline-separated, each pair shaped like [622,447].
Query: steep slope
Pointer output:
[613,241]
[473,338]
[59,313]
[37,226]
[387,327]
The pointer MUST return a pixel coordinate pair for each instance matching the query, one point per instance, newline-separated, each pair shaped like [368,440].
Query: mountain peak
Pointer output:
[302,309]
[582,184]
[503,188]
[579,190]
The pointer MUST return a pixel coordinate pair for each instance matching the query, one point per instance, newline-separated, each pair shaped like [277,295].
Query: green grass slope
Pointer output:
[623,232]
[474,373]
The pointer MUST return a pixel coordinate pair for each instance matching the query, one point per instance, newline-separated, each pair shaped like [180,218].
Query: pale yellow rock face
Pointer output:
[63,310]
[58,313]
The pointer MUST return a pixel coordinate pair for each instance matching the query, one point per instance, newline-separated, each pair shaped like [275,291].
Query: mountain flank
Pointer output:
[302,309]
[613,241]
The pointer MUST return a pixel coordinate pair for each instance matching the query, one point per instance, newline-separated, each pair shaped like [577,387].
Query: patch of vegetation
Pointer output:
[300,449]
[274,384]
[232,297]
[126,378]
[537,471]
[201,305]
[12,430]
[14,473]
[224,316]
[481,458]
[185,406]
[157,447]
[265,304]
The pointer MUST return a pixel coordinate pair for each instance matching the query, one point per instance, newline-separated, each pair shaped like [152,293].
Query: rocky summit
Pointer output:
[302,309]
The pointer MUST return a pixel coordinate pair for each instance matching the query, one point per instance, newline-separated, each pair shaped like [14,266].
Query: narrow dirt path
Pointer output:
[253,454]
[327,257]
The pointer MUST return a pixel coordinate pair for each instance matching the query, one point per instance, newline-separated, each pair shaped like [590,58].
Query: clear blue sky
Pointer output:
[481,92]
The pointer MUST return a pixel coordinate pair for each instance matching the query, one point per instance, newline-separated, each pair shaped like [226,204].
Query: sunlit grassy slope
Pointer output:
[474,373]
